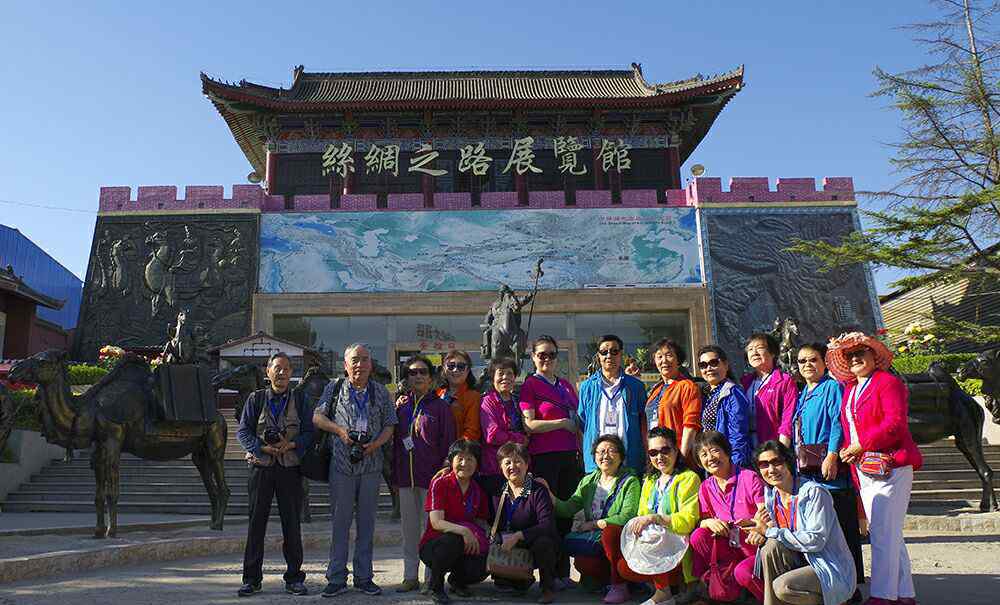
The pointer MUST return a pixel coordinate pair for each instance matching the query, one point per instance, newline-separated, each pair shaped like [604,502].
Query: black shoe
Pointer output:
[248,589]
[296,588]
[440,596]
[461,591]
[369,587]
[333,590]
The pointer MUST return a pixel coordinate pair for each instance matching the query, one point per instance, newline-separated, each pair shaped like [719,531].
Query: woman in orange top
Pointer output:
[675,403]
[461,395]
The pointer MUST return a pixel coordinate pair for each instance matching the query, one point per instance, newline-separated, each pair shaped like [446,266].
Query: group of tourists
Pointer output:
[766,485]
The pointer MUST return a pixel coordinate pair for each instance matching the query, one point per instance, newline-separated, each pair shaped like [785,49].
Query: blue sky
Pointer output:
[108,93]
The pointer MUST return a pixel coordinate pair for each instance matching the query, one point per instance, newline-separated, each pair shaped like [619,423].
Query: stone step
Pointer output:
[973,482]
[947,494]
[158,497]
[84,506]
[188,487]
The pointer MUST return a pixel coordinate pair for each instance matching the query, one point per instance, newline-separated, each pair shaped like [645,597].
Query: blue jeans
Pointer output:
[352,495]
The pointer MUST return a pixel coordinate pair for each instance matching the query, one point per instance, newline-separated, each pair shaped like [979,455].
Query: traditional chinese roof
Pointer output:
[11,284]
[260,337]
[324,92]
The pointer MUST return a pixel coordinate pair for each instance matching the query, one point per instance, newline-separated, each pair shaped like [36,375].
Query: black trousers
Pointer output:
[265,483]
[447,554]
[492,485]
[846,505]
[561,470]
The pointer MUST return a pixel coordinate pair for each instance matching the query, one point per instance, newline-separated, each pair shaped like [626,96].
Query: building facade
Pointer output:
[393,206]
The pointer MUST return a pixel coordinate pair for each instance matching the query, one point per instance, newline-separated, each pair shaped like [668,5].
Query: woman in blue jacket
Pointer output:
[726,409]
[613,403]
[805,558]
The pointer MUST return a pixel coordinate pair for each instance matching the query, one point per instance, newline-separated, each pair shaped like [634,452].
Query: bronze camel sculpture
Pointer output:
[115,416]
[986,367]
[939,408]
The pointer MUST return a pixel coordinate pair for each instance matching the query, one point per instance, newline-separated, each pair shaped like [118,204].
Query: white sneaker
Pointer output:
[650,601]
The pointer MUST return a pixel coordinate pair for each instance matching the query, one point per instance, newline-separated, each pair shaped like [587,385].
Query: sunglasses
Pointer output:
[804,360]
[856,353]
[665,451]
[607,352]
[418,372]
[773,462]
[457,367]
[543,355]
[711,363]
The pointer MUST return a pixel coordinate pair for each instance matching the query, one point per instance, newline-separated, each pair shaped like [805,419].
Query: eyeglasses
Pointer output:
[757,349]
[457,367]
[665,451]
[770,463]
[611,352]
[418,372]
[804,361]
[711,363]
[608,453]
[547,355]
[856,353]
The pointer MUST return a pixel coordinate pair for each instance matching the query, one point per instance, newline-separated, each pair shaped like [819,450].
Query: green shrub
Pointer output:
[972,386]
[28,416]
[917,364]
[83,373]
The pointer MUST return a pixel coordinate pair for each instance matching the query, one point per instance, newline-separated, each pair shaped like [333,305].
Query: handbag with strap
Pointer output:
[876,465]
[720,578]
[315,463]
[514,564]
[808,456]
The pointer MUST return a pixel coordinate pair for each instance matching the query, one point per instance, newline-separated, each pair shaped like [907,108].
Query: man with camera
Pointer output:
[360,418]
[275,430]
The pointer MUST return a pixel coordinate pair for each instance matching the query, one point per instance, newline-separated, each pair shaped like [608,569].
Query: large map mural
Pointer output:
[478,250]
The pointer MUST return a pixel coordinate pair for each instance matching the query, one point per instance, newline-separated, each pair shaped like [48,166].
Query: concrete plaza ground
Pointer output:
[949,568]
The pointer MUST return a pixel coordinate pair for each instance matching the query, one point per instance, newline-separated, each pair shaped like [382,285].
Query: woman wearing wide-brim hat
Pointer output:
[881,453]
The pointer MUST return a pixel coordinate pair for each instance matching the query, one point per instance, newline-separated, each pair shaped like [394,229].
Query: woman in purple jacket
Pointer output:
[526,519]
[501,422]
[425,430]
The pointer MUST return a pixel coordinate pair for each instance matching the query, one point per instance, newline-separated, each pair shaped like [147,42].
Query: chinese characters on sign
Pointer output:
[433,338]
[384,159]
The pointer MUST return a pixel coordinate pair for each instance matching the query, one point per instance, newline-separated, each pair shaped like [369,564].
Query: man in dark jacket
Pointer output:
[275,429]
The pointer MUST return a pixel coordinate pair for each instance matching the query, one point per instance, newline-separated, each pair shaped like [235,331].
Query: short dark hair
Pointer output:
[679,351]
[542,339]
[501,363]
[611,338]
[614,440]
[278,355]
[665,433]
[773,445]
[420,359]
[819,347]
[713,439]
[722,357]
[463,446]
[513,449]
[470,380]
[772,344]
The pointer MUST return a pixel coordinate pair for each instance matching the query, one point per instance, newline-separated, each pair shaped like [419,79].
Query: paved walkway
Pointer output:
[949,568]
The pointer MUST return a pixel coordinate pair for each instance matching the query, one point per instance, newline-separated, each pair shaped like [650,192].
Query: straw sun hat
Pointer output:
[836,356]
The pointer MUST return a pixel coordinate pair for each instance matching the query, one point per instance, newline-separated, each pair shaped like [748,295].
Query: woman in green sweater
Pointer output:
[608,497]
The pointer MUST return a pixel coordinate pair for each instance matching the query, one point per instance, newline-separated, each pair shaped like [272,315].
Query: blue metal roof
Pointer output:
[44,274]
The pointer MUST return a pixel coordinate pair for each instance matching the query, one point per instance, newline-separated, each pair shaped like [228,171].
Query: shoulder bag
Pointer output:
[516,564]
[315,464]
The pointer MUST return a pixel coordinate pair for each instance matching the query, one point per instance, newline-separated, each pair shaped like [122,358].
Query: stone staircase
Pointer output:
[948,480]
[151,487]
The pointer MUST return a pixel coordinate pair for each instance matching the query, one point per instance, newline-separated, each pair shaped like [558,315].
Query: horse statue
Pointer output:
[785,331]
[115,415]
[986,367]
[244,379]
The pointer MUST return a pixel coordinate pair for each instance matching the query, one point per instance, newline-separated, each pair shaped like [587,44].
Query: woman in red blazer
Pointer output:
[882,456]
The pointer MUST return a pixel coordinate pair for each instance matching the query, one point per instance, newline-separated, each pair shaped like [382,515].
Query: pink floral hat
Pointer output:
[836,355]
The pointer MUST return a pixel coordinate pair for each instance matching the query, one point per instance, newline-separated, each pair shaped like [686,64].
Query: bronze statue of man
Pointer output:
[502,333]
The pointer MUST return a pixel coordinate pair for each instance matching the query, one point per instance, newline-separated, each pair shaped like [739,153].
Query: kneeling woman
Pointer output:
[806,559]
[728,498]
[525,517]
[609,498]
[455,540]
[670,499]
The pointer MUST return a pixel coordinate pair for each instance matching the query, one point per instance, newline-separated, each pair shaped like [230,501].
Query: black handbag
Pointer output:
[315,463]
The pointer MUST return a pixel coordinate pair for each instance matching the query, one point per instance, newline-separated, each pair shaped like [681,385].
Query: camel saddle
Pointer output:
[185,393]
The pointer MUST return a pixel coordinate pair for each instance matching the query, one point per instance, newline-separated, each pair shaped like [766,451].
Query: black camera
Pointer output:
[359,440]
[272,435]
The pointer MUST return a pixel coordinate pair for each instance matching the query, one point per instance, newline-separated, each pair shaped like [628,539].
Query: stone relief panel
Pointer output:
[143,270]
[755,280]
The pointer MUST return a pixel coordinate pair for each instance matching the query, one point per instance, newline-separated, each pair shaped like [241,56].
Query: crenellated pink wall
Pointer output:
[699,190]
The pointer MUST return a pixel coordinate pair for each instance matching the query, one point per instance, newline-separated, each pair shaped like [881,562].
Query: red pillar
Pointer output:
[673,168]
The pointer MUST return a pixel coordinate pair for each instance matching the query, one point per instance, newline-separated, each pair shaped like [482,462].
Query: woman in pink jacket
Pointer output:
[882,455]
[773,394]
[501,422]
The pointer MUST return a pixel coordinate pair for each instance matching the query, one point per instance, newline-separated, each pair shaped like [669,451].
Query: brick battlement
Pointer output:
[699,190]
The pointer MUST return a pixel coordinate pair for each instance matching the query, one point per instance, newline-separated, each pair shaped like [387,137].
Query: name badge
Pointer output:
[611,417]
[408,443]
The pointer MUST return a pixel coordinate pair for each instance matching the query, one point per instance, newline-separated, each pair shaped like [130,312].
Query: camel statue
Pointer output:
[986,367]
[115,416]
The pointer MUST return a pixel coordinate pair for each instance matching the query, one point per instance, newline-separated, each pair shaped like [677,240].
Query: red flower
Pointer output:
[882,332]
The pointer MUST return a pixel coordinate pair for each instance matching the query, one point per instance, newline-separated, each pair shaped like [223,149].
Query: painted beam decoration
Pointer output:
[478,250]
